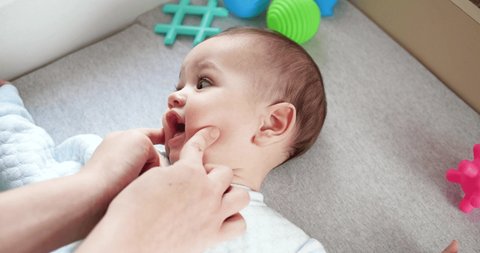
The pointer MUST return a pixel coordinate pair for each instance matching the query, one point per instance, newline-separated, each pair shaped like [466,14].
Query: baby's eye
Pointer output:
[203,83]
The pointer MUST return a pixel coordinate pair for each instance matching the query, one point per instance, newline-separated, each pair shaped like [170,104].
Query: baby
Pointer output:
[263,92]
[266,95]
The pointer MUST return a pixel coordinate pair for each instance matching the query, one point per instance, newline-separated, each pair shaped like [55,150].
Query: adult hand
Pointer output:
[181,208]
[452,247]
[122,156]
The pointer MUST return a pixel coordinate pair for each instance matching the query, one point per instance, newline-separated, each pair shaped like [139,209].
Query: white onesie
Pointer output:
[268,231]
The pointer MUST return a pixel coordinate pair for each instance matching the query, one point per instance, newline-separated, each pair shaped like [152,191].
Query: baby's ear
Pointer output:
[277,125]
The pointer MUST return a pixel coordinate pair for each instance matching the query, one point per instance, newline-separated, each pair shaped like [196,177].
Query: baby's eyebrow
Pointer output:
[198,66]
[207,65]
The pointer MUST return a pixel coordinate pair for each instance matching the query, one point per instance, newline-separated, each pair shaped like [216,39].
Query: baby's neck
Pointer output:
[251,178]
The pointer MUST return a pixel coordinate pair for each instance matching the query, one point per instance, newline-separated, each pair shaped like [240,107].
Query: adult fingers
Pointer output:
[233,226]
[153,160]
[222,177]
[209,167]
[234,200]
[157,136]
[194,148]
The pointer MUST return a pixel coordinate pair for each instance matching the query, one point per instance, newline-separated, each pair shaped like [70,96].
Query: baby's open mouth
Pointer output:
[179,128]
[176,124]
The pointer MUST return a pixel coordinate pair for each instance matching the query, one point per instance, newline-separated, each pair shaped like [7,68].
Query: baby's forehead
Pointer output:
[238,45]
[232,51]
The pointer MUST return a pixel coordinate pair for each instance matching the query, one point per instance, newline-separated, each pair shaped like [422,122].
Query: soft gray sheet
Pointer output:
[374,181]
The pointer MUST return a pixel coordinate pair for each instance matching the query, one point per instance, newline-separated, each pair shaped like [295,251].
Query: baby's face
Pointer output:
[215,89]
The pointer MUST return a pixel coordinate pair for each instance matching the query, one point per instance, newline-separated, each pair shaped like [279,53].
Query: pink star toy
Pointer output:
[468,176]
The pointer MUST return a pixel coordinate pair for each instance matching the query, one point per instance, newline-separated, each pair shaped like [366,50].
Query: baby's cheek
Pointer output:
[217,153]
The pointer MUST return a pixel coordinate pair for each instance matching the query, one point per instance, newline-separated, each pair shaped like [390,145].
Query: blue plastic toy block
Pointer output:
[179,11]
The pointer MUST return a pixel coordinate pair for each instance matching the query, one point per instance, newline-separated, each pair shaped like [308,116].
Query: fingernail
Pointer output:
[214,132]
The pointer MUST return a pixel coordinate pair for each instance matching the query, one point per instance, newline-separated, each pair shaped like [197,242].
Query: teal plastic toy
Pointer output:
[297,19]
[201,32]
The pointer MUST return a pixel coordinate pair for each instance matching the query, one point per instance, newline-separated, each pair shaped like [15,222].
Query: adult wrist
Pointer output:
[97,187]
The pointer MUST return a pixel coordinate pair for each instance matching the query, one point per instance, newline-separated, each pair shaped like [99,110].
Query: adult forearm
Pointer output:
[44,216]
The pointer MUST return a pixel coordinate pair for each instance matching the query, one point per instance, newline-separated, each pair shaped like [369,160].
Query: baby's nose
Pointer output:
[176,100]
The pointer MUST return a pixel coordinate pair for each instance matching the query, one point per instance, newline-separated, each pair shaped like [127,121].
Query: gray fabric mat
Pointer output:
[373,182]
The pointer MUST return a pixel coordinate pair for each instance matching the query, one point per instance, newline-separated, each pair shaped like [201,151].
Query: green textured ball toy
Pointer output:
[297,19]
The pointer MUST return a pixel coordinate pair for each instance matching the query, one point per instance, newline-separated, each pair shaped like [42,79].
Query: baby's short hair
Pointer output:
[298,81]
